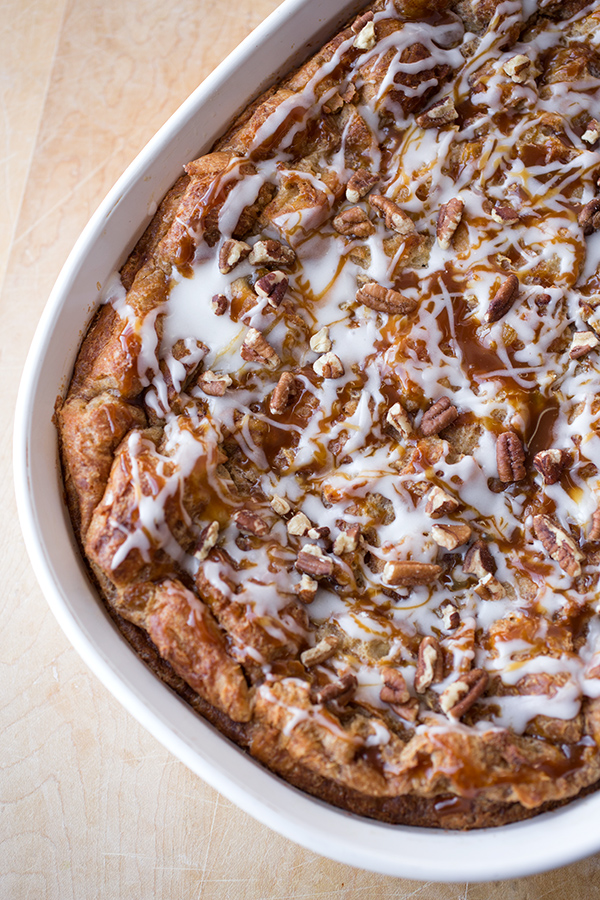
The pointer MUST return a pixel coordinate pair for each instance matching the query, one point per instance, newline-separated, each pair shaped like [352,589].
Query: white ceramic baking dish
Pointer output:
[542,843]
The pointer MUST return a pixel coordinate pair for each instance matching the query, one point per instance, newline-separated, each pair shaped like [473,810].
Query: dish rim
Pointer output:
[532,846]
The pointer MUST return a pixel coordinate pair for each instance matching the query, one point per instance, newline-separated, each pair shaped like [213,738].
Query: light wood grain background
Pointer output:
[91,805]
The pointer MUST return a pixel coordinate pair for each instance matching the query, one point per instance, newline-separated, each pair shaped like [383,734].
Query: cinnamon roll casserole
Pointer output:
[331,443]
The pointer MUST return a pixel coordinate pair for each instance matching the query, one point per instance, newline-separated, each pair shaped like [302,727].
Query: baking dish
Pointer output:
[99,252]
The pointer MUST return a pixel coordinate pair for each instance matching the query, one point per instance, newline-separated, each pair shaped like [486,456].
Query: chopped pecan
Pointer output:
[395,218]
[283,395]
[312,561]
[273,286]
[333,104]
[551,464]
[207,540]
[219,304]
[450,616]
[408,711]
[440,503]
[441,113]
[582,343]
[231,253]
[542,301]
[504,215]
[306,589]
[365,39]
[347,541]
[430,664]
[394,688]
[249,522]
[397,417]
[558,545]
[489,588]
[439,416]
[451,536]
[360,22]
[329,366]
[257,349]
[594,533]
[341,691]
[386,300]
[299,524]
[213,383]
[479,560]
[271,253]
[359,185]
[354,222]
[503,299]
[460,696]
[520,68]
[510,457]
[408,573]
[448,221]
[320,533]
[280,505]
[321,652]
[589,216]
[320,342]
[592,132]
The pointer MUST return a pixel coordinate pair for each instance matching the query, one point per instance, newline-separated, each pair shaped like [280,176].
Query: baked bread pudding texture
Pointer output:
[331,443]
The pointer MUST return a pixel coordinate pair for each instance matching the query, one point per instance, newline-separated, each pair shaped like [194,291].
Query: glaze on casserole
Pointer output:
[331,443]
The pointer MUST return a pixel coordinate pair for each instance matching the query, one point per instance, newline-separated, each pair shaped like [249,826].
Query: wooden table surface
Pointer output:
[91,805]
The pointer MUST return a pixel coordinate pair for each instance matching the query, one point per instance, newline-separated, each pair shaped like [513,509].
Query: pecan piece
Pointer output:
[460,696]
[280,505]
[448,221]
[273,286]
[312,561]
[283,395]
[386,300]
[397,417]
[450,616]
[439,416]
[430,664]
[257,349]
[360,22]
[333,104]
[354,222]
[299,524]
[321,652]
[329,366]
[219,304]
[451,536]
[503,299]
[504,215]
[270,252]
[441,113]
[520,68]
[489,588]
[341,691]
[558,545]
[395,218]
[551,464]
[213,383]
[510,457]
[359,185]
[589,216]
[440,503]
[479,560]
[249,522]
[408,573]
[207,540]
[594,533]
[582,343]
[592,132]
[320,342]
[394,688]
[231,253]
[347,541]
[306,589]
[365,39]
